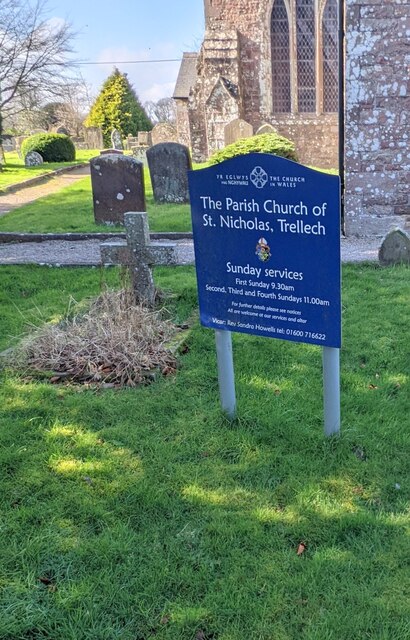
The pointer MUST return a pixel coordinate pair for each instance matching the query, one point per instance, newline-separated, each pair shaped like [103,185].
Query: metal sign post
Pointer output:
[331,390]
[226,376]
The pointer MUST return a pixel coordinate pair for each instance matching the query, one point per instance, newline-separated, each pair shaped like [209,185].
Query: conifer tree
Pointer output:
[118,107]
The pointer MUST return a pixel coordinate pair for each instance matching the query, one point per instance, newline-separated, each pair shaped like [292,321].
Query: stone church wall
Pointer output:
[237,46]
[182,122]
[315,138]
[377,115]
[235,58]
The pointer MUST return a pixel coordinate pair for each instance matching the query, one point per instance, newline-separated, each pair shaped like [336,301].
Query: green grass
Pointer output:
[71,210]
[143,513]
[15,171]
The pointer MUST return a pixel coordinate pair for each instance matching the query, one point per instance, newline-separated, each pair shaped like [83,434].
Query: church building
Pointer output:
[275,62]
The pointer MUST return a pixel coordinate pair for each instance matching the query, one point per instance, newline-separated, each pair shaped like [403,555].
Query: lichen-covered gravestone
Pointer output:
[118,186]
[141,154]
[116,140]
[236,130]
[168,164]
[265,128]
[395,248]
[144,138]
[93,137]
[163,132]
[33,159]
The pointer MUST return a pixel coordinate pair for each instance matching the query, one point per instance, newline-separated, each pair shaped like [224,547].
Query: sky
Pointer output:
[121,30]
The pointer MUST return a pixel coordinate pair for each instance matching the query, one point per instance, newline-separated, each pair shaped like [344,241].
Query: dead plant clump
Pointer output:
[113,342]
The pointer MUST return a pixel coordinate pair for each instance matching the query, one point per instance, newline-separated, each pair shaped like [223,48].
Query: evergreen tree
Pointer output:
[118,107]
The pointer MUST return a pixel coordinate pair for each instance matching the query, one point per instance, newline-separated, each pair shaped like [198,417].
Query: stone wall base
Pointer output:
[365,225]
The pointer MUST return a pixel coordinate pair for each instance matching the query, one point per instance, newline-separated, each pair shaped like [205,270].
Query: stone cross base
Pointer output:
[139,254]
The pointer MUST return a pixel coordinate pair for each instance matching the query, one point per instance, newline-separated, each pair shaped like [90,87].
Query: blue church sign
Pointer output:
[267,249]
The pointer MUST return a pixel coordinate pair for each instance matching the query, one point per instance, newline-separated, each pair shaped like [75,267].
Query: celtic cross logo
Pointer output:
[259,177]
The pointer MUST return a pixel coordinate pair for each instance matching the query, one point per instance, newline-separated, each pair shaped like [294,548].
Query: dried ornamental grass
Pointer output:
[113,341]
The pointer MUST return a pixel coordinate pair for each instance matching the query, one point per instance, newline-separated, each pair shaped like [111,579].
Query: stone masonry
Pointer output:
[232,79]
[377,115]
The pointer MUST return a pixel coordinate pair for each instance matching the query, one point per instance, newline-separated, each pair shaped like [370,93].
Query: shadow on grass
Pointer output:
[163,516]
[146,514]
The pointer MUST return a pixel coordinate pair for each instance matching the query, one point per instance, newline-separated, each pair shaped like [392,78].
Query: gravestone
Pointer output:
[144,138]
[140,153]
[8,143]
[116,139]
[164,132]
[79,142]
[265,128]
[168,164]
[33,159]
[61,129]
[138,254]
[395,248]
[93,138]
[118,186]
[236,130]
[131,142]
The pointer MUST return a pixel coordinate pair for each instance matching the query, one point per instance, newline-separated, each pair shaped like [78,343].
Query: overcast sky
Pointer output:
[120,30]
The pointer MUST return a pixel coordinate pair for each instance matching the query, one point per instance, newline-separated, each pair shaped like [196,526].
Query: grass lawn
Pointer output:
[71,210]
[15,171]
[144,513]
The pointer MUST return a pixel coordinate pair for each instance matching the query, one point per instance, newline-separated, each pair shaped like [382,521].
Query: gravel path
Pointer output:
[87,252]
[10,201]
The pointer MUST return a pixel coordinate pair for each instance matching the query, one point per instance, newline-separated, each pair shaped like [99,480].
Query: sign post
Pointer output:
[267,253]
[226,376]
[331,390]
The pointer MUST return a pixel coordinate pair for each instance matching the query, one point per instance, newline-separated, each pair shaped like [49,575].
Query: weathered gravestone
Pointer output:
[93,138]
[140,153]
[62,129]
[395,248]
[118,186]
[236,130]
[139,254]
[130,142]
[164,132]
[168,164]
[144,138]
[8,143]
[79,142]
[33,159]
[265,128]
[116,140]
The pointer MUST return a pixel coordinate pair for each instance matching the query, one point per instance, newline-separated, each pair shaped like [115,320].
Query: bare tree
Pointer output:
[161,111]
[33,53]
[35,111]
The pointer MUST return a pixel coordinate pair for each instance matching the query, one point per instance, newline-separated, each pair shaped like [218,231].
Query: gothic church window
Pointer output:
[280,58]
[304,74]
[330,55]
[305,52]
